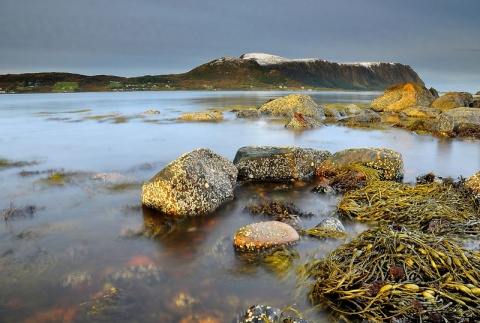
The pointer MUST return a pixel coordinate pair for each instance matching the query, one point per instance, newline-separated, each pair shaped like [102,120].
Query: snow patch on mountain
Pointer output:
[267,59]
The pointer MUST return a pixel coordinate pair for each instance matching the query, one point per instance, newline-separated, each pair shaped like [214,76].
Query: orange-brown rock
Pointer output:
[452,100]
[402,96]
[262,235]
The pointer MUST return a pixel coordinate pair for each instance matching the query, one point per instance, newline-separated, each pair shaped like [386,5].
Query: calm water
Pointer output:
[63,261]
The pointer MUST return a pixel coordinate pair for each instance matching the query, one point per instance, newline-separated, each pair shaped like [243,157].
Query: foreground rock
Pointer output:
[294,103]
[195,183]
[402,96]
[474,184]
[452,100]
[263,235]
[281,163]
[202,116]
[453,118]
[387,162]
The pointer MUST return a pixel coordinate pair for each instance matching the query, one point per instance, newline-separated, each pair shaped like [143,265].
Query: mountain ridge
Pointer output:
[251,71]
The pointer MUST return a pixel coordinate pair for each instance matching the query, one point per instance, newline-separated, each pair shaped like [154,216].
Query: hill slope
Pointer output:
[253,71]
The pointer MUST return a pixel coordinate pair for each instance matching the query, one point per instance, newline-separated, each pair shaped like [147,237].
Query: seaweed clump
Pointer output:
[390,273]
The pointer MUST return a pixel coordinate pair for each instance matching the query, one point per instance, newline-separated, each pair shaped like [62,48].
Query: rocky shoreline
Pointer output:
[433,208]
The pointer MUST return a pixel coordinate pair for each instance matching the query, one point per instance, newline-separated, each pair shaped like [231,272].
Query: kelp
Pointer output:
[392,274]
[432,207]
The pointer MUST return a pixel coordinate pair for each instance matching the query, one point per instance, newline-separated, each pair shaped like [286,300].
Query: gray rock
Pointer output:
[352,109]
[293,103]
[332,113]
[281,163]
[195,183]
[448,120]
[362,119]
[261,314]
[332,224]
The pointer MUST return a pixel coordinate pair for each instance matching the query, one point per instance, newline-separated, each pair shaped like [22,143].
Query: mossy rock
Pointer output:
[294,103]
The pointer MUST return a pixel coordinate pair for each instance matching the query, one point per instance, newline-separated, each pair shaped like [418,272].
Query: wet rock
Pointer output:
[195,183]
[421,112]
[401,96]
[353,109]
[262,235]
[362,119]
[261,314]
[388,162]
[250,113]
[332,113]
[152,112]
[422,125]
[475,104]
[467,130]
[280,163]
[332,224]
[202,116]
[448,120]
[473,183]
[434,92]
[452,100]
[287,213]
[293,103]
[300,122]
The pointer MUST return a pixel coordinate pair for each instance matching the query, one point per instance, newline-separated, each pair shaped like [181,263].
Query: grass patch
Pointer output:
[65,87]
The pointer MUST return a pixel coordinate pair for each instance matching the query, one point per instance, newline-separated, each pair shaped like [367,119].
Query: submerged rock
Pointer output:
[293,103]
[195,183]
[278,163]
[262,235]
[388,162]
[401,96]
[202,116]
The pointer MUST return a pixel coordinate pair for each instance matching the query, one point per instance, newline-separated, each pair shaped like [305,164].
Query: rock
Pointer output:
[422,126]
[261,314]
[151,112]
[434,92]
[449,119]
[475,104]
[262,235]
[300,122]
[293,103]
[250,113]
[352,109]
[474,184]
[421,112]
[195,183]
[388,162]
[148,273]
[332,224]
[362,119]
[281,163]
[452,100]
[332,113]
[467,130]
[202,116]
[402,96]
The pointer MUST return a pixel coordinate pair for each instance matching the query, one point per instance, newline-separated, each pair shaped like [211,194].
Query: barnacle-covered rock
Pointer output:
[262,235]
[195,183]
[261,314]
[293,103]
[278,163]
[401,96]
[388,162]
[473,183]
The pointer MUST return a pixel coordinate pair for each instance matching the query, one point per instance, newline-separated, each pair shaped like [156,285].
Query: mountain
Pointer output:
[254,71]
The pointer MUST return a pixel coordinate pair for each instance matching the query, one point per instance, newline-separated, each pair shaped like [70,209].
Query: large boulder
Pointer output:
[195,183]
[280,163]
[263,235]
[401,96]
[452,100]
[452,118]
[387,162]
[294,103]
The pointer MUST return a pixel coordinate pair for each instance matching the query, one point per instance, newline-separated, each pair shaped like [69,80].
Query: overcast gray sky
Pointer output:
[439,39]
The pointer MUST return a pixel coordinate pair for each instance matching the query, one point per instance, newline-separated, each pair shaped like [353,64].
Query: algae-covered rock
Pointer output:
[293,103]
[388,162]
[421,112]
[202,116]
[452,100]
[278,163]
[300,122]
[263,235]
[195,183]
[401,96]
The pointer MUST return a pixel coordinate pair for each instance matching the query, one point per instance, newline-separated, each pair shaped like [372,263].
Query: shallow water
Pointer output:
[62,261]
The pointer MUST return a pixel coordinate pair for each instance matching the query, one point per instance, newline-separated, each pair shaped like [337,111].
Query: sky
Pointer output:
[439,39]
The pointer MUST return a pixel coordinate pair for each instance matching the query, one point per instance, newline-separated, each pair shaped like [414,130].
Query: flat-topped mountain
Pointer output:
[253,71]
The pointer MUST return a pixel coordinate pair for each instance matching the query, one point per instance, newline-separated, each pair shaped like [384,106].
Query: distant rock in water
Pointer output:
[292,104]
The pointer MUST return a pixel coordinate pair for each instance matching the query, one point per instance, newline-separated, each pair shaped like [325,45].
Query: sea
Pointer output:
[72,167]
